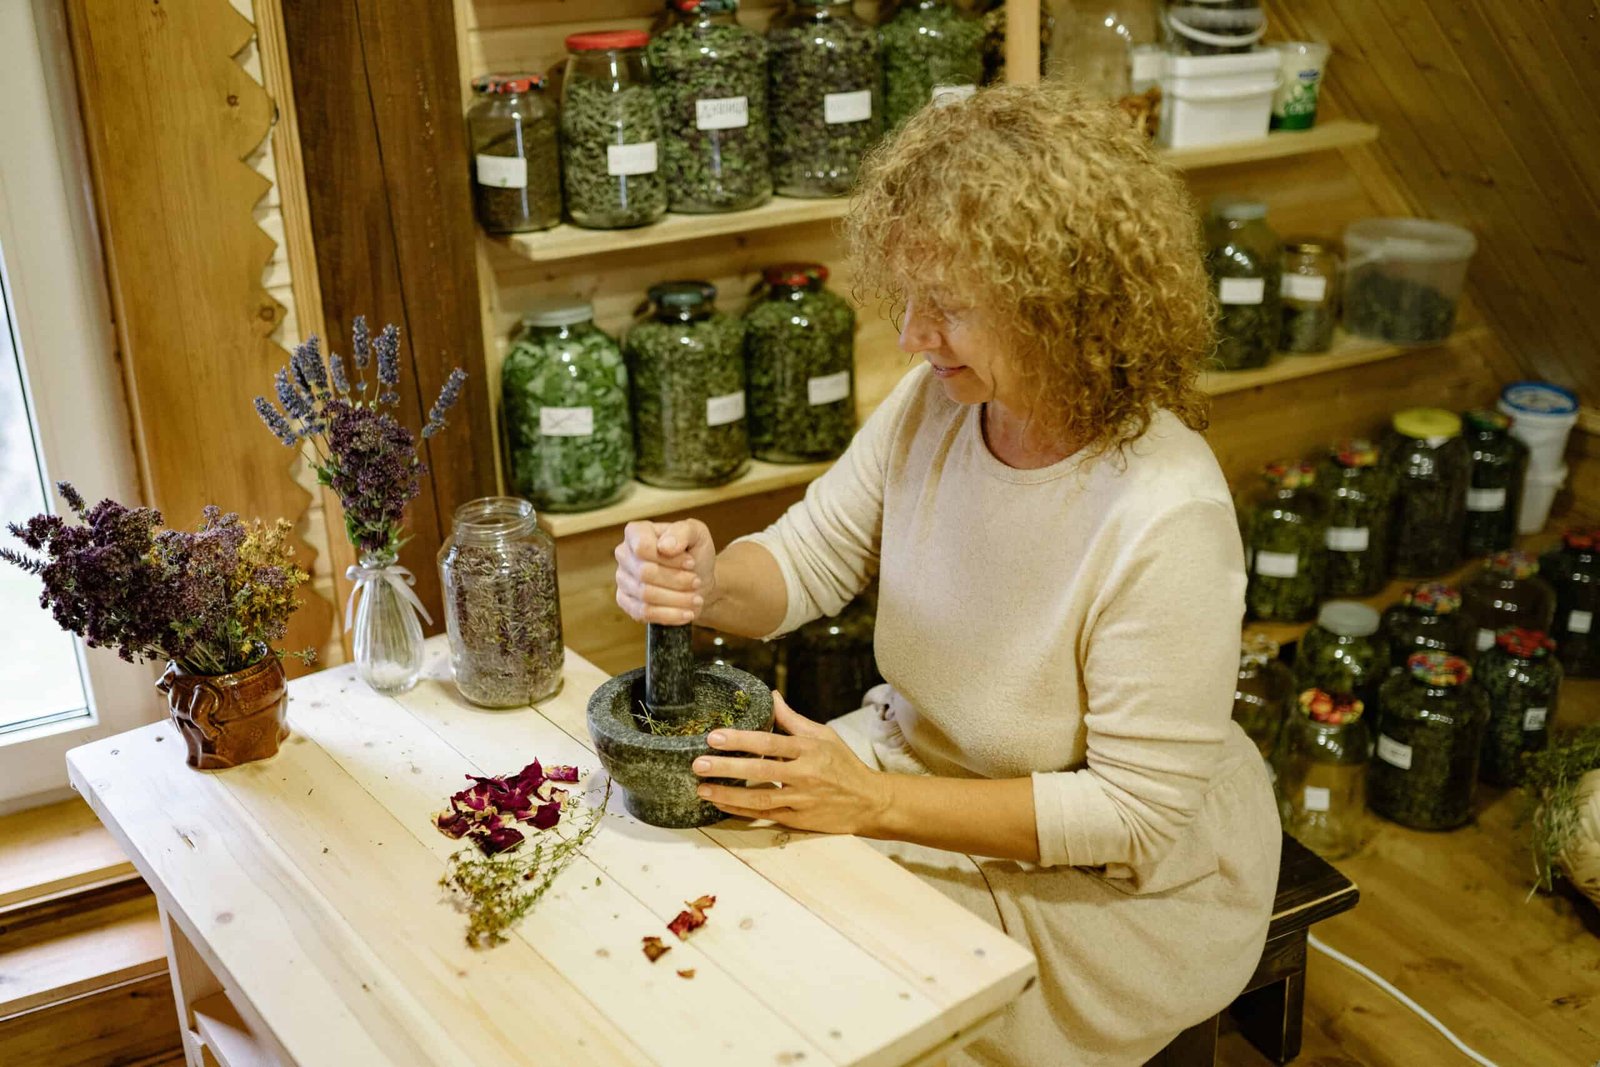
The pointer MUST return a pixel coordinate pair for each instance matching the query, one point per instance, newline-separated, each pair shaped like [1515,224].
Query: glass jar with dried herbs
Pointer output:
[610,132]
[1574,571]
[800,360]
[1522,680]
[516,167]
[1264,693]
[1430,727]
[1360,503]
[1428,465]
[1322,773]
[1506,593]
[564,410]
[1285,532]
[932,52]
[1245,260]
[1494,486]
[754,657]
[1343,653]
[825,89]
[1427,619]
[711,87]
[686,366]
[831,663]
[1310,295]
[502,604]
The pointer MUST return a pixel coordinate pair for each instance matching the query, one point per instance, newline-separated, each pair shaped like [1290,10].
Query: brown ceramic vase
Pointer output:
[229,719]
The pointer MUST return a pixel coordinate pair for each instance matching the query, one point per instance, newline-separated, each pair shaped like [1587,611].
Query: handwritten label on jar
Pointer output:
[1533,718]
[1394,753]
[1486,499]
[1485,639]
[1277,564]
[566,422]
[721,410]
[838,108]
[1308,287]
[503,172]
[1348,538]
[950,94]
[1242,290]
[828,389]
[625,160]
[1578,622]
[1316,798]
[724,113]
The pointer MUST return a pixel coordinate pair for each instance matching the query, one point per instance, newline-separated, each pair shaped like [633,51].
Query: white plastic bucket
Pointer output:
[1210,100]
[1542,415]
[1538,493]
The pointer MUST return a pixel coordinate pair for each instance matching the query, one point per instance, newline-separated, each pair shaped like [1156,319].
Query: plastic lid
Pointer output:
[1539,398]
[1433,598]
[1355,452]
[1239,210]
[1348,618]
[1529,644]
[1257,650]
[704,7]
[1308,245]
[1581,539]
[797,275]
[1413,239]
[507,83]
[1487,421]
[558,313]
[1439,669]
[682,295]
[607,40]
[1285,475]
[1335,709]
[1511,564]
[1428,424]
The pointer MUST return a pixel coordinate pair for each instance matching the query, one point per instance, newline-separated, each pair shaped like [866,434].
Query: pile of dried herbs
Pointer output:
[931,49]
[824,91]
[504,620]
[1551,780]
[800,357]
[710,714]
[1396,309]
[609,189]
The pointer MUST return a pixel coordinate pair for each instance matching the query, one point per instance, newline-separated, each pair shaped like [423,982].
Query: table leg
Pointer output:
[192,981]
[1270,1016]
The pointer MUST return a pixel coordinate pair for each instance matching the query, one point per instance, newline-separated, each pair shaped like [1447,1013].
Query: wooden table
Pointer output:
[306,924]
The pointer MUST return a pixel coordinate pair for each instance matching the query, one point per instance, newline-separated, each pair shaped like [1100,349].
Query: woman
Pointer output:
[1061,581]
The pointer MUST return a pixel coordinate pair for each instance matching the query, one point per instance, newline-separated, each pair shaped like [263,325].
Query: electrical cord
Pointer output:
[1388,987]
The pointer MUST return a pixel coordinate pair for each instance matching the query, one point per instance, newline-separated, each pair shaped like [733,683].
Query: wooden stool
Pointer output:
[1268,1011]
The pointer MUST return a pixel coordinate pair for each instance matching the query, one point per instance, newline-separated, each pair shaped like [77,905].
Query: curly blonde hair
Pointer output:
[1052,213]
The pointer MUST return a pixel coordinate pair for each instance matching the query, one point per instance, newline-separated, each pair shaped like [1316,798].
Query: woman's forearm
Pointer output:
[749,596]
[987,817]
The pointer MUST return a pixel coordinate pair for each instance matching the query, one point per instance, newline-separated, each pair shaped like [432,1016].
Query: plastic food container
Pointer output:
[1542,415]
[1403,278]
[1207,100]
[1295,105]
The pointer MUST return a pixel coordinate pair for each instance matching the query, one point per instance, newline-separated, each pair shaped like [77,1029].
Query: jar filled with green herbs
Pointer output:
[1431,722]
[1427,619]
[754,657]
[686,365]
[831,663]
[1428,465]
[1360,504]
[1506,593]
[932,52]
[1494,487]
[1343,652]
[1285,533]
[1574,571]
[825,89]
[1245,261]
[610,132]
[711,87]
[1322,775]
[1522,679]
[502,604]
[800,361]
[1310,295]
[1264,693]
[516,167]
[564,410]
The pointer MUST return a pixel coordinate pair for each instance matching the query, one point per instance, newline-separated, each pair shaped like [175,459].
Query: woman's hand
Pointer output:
[824,786]
[666,572]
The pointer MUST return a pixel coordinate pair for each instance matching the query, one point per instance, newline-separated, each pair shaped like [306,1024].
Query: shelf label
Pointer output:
[566,422]
[1486,499]
[1348,538]
[828,389]
[625,160]
[1316,798]
[838,108]
[1533,718]
[1308,287]
[1485,639]
[951,94]
[1578,622]
[502,172]
[721,410]
[724,113]
[1277,564]
[1394,753]
[1242,290]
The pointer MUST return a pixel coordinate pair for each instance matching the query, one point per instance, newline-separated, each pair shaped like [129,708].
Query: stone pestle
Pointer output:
[669,673]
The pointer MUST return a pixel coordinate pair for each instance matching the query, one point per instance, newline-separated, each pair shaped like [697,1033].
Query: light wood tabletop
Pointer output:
[306,924]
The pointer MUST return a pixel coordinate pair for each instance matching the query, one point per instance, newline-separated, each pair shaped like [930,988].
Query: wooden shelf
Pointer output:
[226,1036]
[1347,351]
[1324,137]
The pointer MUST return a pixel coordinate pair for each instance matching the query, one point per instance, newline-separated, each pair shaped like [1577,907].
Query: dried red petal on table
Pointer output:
[561,774]
[687,972]
[547,815]
[702,903]
[452,823]
[654,949]
[692,919]
[497,841]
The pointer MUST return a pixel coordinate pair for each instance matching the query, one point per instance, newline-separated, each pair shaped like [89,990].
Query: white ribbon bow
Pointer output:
[400,579]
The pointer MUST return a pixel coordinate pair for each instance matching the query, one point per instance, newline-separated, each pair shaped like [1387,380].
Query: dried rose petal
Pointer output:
[561,774]
[547,815]
[654,949]
[452,823]
[692,919]
[497,841]
[687,972]
[702,903]
[528,779]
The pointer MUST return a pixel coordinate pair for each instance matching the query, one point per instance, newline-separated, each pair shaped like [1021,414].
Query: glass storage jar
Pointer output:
[1285,533]
[754,657]
[1264,693]
[1342,653]
[711,86]
[830,662]
[516,167]
[564,411]
[686,366]
[1428,463]
[1310,295]
[1360,503]
[1522,680]
[1574,571]
[1427,619]
[1430,727]
[825,91]
[1494,485]
[800,362]
[610,132]
[502,604]
[1245,261]
[1322,775]
[932,51]
[1506,592]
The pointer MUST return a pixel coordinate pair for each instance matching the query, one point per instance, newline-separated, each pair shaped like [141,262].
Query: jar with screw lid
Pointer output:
[1360,502]
[1322,774]
[1427,619]
[1429,465]
[1342,652]
[611,132]
[1310,295]
[1245,260]
[1285,535]
[1499,462]
[1574,570]
[1430,728]
[800,358]
[516,168]
[1522,679]
[1264,693]
[1506,593]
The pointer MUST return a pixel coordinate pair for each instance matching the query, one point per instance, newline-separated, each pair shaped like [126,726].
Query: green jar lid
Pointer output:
[1282,474]
[1528,644]
[1433,598]
[1511,564]
[558,313]
[1348,618]
[1428,424]
[1355,452]
[1439,669]
[1240,209]
[1335,709]
[1487,421]
[682,296]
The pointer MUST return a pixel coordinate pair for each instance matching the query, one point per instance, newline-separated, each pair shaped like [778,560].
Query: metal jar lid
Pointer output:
[1348,618]
[558,312]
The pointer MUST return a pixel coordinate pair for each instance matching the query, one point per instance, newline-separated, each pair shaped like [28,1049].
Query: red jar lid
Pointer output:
[507,83]
[607,40]
[798,275]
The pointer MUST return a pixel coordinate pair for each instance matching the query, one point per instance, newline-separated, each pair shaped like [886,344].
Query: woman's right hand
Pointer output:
[666,571]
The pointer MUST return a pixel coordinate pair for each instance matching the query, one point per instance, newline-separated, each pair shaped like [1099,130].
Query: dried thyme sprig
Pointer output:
[1550,786]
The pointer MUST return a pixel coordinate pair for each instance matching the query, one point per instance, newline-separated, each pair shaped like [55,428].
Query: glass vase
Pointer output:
[388,637]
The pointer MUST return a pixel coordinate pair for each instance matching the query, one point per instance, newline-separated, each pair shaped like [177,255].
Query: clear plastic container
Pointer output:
[1322,773]
[1403,278]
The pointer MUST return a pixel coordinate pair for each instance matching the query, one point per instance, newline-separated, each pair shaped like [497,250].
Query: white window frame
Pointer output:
[55,272]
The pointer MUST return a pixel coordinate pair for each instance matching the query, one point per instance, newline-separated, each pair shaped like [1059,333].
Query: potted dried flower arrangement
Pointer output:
[209,601]
[363,452]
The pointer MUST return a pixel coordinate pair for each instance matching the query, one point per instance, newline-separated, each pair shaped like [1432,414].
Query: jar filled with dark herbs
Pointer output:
[1360,502]
[564,409]
[1494,487]
[686,365]
[1310,295]
[1506,593]
[1285,532]
[932,53]
[1574,571]
[825,89]
[516,167]
[1431,722]
[1522,680]
[1322,776]
[1428,465]
[1245,261]
[711,87]
[610,132]
[502,605]
[1343,652]
[831,663]
[748,654]
[1427,619]
[800,361]
[1264,693]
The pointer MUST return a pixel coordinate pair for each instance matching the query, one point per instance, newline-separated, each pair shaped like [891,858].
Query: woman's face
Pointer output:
[966,353]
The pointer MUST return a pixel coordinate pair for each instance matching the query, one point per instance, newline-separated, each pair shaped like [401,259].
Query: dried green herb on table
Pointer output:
[1427,463]
[800,359]
[611,132]
[1395,309]
[1322,773]
[708,717]
[1494,487]
[1360,502]
[516,165]
[1522,680]
[1431,723]
[1284,529]
[931,51]
[1427,619]
[825,92]
[1244,259]
[1554,783]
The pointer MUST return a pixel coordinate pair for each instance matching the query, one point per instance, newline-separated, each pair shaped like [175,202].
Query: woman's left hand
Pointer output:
[824,786]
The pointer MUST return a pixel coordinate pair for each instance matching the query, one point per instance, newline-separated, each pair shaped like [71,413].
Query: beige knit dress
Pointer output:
[1077,624]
